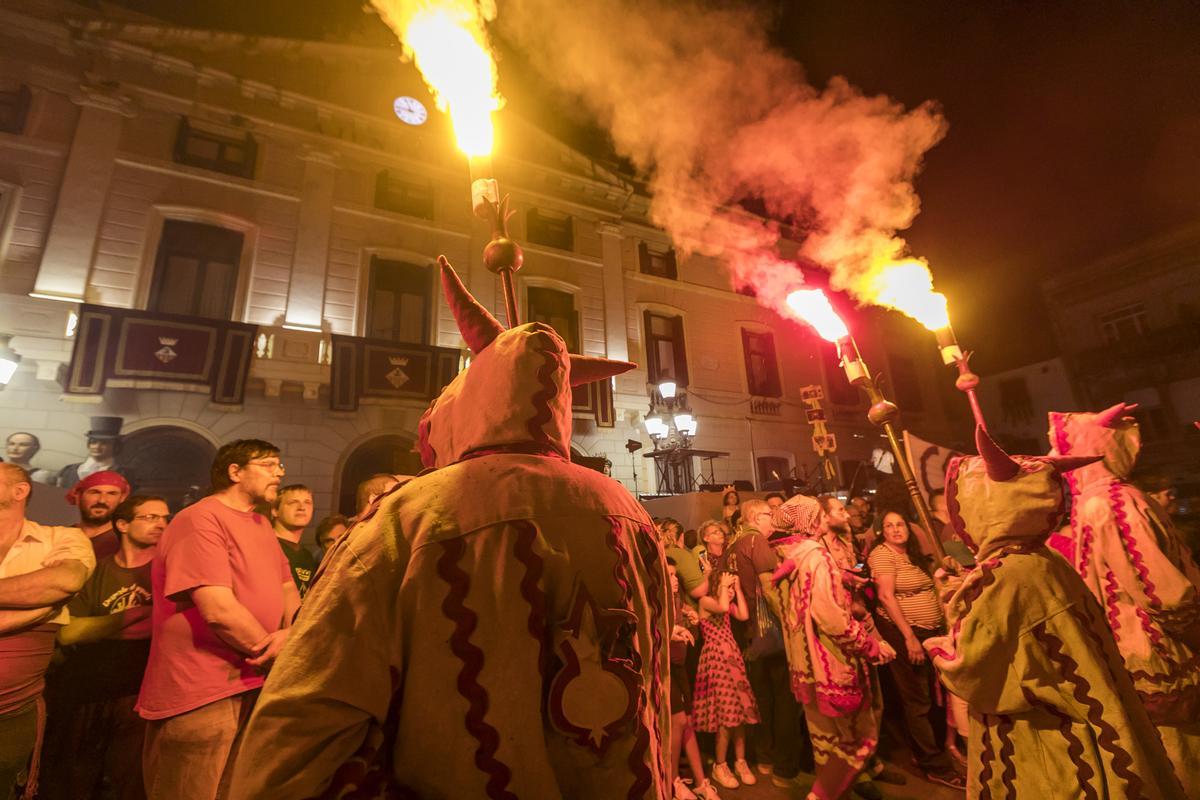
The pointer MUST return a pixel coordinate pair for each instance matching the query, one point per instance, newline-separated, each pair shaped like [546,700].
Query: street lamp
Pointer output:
[670,422]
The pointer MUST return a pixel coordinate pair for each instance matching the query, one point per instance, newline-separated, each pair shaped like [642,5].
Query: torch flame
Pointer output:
[907,286]
[449,44]
[813,307]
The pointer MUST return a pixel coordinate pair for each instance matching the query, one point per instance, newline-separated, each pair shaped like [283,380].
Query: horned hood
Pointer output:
[1111,433]
[996,500]
[516,394]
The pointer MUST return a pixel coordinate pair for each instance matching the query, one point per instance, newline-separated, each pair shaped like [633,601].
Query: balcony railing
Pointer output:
[1153,348]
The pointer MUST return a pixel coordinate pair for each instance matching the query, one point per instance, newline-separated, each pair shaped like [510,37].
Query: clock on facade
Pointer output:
[410,110]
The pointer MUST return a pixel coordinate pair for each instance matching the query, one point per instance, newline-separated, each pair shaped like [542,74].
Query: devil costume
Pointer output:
[829,652]
[1129,554]
[496,627]
[1054,714]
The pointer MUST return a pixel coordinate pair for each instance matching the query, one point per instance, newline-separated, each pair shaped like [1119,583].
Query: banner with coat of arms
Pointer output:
[130,348]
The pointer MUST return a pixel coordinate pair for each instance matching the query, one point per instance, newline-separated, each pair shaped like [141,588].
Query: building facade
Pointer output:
[213,236]
[1128,329]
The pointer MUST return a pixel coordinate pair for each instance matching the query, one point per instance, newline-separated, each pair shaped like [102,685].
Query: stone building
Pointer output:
[214,236]
[1128,329]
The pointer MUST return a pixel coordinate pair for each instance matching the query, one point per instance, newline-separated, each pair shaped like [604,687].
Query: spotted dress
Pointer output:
[722,697]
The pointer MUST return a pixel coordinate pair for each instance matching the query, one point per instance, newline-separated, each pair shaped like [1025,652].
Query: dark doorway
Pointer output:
[390,453]
[170,462]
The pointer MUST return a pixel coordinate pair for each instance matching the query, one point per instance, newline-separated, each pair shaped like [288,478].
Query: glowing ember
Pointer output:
[448,42]
[907,286]
[812,306]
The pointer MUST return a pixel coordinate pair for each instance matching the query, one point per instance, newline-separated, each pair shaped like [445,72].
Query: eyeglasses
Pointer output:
[271,465]
[152,517]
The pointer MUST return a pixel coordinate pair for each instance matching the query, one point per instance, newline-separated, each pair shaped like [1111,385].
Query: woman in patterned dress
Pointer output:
[723,701]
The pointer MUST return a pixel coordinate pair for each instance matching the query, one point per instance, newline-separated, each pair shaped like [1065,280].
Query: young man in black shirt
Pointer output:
[293,510]
[93,731]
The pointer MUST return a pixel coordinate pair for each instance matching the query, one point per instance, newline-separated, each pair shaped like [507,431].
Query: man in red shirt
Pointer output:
[223,603]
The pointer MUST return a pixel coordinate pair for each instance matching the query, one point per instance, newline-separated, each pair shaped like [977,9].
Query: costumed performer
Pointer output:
[1054,714]
[830,653]
[496,627]
[1137,565]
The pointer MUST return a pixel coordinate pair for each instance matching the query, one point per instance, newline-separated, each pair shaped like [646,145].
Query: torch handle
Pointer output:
[510,298]
[914,492]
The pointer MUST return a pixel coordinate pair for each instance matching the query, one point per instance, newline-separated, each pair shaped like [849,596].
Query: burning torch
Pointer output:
[967,380]
[449,44]
[907,286]
[812,306]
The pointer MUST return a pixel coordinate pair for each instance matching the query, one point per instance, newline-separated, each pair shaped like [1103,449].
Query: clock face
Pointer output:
[410,110]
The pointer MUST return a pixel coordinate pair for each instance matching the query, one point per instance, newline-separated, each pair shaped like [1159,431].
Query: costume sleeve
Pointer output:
[72,544]
[333,682]
[1145,559]
[830,610]
[976,663]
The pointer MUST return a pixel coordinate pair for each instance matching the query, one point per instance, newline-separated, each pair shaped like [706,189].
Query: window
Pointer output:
[230,154]
[840,390]
[394,193]
[398,302]
[556,309]
[1153,424]
[665,355]
[14,108]
[196,270]
[652,261]
[552,230]
[762,368]
[905,383]
[772,468]
[1123,324]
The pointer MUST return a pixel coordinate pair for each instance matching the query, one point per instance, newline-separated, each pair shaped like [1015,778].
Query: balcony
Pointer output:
[1161,350]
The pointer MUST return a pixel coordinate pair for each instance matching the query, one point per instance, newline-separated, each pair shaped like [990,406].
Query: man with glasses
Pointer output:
[92,725]
[224,599]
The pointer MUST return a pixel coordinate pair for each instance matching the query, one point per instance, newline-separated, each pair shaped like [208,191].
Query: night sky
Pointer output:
[1074,127]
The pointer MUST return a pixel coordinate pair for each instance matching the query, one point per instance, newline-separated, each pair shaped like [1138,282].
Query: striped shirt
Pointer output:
[914,588]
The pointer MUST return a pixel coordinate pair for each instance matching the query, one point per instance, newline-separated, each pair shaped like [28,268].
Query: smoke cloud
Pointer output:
[698,99]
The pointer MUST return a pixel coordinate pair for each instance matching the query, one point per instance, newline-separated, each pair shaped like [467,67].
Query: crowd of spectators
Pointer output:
[731,655]
[133,644]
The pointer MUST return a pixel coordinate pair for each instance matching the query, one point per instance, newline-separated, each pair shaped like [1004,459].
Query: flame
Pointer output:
[907,286]
[448,42]
[813,307]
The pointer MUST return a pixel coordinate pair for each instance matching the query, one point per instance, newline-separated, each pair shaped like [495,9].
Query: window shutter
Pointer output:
[681,367]
[643,257]
[652,365]
[774,387]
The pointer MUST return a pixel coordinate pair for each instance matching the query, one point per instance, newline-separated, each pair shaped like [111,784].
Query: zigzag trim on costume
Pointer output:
[1113,614]
[1083,771]
[1107,736]
[1009,773]
[1135,555]
[465,621]
[655,585]
[536,425]
[638,764]
[985,760]
[532,591]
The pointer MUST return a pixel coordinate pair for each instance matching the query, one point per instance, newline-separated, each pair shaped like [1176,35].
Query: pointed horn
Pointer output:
[1112,415]
[1067,463]
[585,369]
[1000,466]
[478,327]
